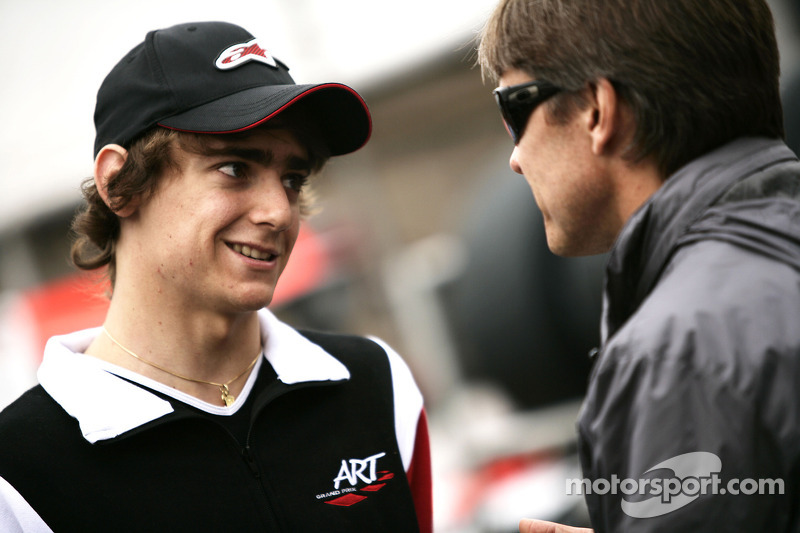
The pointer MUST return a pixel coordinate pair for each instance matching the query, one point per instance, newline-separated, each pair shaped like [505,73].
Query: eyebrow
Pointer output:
[258,156]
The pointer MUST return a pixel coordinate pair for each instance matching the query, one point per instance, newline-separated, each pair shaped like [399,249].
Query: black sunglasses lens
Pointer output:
[517,102]
[511,131]
[510,123]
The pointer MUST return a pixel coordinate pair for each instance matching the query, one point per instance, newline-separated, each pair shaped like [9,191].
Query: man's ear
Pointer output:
[107,164]
[606,122]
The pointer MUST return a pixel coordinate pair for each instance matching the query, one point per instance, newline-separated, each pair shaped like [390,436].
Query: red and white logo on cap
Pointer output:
[241,53]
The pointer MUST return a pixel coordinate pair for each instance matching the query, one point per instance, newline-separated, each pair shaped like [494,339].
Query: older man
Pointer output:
[654,130]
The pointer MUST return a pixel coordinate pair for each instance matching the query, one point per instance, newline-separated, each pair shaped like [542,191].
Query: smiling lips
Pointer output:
[247,251]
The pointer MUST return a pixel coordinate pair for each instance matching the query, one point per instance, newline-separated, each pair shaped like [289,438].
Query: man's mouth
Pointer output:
[247,251]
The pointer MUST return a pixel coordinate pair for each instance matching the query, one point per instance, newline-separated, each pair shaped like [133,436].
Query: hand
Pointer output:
[540,526]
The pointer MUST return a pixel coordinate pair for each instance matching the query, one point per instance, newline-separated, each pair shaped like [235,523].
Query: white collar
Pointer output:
[106,405]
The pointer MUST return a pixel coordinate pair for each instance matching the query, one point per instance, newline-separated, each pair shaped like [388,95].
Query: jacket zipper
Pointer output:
[251,462]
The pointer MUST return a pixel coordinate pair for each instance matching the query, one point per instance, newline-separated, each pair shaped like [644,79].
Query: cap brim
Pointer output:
[343,117]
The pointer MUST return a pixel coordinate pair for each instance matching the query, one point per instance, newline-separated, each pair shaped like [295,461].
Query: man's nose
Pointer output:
[513,161]
[272,204]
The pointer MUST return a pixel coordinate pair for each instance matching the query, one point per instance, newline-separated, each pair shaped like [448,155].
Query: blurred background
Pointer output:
[425,238]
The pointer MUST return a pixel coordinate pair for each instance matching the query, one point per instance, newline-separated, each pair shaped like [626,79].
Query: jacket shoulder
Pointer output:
[29,411]
[358,354]
[715,291]
[31,428]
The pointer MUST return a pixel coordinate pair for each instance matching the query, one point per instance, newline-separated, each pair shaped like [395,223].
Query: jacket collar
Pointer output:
[654,232]
[106,406]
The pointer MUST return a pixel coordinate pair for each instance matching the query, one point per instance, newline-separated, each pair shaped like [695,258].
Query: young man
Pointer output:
[654,129]
[193,408]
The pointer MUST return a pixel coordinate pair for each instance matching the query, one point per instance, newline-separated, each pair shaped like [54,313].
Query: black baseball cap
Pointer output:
[215,77]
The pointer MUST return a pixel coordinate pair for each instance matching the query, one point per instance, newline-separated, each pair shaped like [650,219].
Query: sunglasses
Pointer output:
[517,102]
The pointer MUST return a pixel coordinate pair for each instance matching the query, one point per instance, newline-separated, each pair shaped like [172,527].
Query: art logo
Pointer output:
[241,53]
[356,481]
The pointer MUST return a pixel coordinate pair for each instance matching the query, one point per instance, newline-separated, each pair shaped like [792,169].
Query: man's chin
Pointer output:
[251,302]
[564,247]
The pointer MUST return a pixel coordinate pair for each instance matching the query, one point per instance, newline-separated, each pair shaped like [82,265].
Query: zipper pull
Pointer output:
[250,460]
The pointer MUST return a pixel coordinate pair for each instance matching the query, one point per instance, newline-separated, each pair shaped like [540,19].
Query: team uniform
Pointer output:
[328,434]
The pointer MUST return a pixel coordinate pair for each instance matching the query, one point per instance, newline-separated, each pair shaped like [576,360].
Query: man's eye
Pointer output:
[296,182]
[234,170]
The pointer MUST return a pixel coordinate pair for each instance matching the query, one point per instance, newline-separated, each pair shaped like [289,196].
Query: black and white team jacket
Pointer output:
[329,434]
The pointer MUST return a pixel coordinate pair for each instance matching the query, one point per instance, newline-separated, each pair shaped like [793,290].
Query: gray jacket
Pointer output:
[694,399]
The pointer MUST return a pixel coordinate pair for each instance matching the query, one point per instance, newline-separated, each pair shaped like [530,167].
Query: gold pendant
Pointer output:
[227,397]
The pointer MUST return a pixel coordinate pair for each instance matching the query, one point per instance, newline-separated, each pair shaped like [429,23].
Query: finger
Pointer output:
[540,526]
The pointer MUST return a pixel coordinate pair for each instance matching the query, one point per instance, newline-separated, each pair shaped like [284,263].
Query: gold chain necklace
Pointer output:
[227,397]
